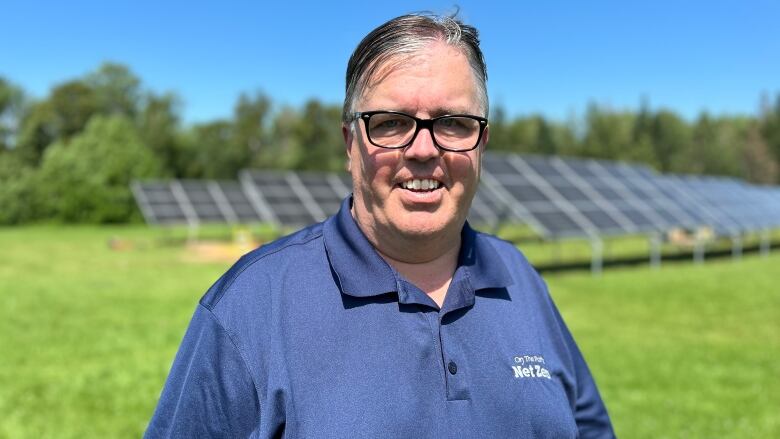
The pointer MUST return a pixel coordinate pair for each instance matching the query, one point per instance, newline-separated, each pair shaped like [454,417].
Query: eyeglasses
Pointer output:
[395,130]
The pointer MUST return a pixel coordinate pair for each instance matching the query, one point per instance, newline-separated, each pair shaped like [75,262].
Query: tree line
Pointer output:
[71,155]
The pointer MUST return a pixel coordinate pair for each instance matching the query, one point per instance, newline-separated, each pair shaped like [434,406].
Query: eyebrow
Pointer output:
[436,112]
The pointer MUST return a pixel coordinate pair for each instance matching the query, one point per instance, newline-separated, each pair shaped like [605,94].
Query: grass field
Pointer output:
[87,335]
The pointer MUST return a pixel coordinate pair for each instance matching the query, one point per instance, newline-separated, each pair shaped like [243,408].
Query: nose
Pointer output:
[422,147]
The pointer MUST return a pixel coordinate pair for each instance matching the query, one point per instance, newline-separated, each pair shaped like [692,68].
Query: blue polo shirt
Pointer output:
[316,336]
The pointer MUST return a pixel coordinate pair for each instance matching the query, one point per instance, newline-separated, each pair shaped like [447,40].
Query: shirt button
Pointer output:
[452,367]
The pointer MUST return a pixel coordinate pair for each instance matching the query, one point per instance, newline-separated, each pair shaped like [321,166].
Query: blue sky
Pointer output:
[548,57]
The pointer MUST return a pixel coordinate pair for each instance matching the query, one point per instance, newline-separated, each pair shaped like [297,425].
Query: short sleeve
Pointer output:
[590,413]
[209,391]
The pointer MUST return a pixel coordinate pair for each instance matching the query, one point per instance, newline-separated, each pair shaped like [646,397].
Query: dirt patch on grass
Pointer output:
[216,251]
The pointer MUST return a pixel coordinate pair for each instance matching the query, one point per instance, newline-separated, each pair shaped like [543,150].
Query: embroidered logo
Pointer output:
[530,366]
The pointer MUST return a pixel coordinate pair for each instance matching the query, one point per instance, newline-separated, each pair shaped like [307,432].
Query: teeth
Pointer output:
[417,184]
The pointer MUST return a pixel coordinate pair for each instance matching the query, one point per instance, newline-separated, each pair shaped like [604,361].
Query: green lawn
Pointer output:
[87,335]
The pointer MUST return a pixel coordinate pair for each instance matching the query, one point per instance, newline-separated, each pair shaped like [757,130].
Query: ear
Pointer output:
[349,136]
[485,137]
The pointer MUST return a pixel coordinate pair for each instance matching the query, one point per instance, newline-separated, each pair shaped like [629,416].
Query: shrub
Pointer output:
[87,179]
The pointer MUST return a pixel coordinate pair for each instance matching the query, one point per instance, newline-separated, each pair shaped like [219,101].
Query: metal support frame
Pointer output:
[222,202]
[259,204]
[766,242]
[699,248]
[552,194]
[304,196]
[606,206]
[193,223]
[654,193]
[509,203]
[736,247]
[597,256]
[338,186]
[655,251]
[143,202]
[628,195]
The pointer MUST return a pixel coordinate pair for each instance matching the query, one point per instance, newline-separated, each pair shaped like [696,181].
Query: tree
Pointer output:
[770,124]
[608,134]
[670,136]
[116,89]
[521,135]
[713,147]
[759,164]
[58,118]
[208,151]
[283,149]
[498,129]
[158,125]
[250,119]
[319,135]
[545,143]
[87,179]
[18,190]
[12,104]
[38,130]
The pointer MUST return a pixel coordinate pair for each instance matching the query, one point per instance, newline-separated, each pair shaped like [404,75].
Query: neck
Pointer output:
[428,262]
[433,277]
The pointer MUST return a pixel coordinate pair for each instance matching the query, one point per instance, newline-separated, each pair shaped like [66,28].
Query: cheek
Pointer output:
[378,168]
[373,170]
[464,170]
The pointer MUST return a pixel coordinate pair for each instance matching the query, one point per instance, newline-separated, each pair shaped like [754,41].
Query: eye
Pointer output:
[448,122]
[390,123]
[455,124]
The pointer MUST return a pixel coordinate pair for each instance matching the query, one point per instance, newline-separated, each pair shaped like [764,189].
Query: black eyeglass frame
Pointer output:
[421,124]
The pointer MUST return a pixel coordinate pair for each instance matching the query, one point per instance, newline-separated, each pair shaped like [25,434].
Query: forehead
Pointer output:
[435,79]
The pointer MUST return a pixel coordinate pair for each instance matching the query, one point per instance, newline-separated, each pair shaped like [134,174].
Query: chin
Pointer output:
[423,226]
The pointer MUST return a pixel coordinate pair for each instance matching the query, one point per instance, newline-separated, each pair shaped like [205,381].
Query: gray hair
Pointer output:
[403,36]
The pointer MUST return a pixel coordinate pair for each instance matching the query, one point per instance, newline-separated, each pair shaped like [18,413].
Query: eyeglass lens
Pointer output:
[394,130]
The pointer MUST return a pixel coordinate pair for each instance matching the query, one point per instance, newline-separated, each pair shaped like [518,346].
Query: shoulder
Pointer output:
[264,263]
[509,254]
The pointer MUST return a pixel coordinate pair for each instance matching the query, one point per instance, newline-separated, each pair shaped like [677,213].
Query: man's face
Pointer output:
[436,81]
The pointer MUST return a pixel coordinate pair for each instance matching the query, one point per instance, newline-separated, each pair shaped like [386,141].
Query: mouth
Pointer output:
[421,185]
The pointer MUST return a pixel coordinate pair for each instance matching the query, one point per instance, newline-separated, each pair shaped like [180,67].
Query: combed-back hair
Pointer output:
[401,37]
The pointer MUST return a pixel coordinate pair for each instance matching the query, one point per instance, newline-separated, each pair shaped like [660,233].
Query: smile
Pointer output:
[417,184]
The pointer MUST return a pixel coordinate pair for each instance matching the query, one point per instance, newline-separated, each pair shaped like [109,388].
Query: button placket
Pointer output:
[453,362]
[452,367]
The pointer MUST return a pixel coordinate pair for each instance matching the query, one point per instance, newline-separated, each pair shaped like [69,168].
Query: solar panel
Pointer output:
[557,197]
[734,203]
[282,194]
[770,199]
[203,203]
[326,190]
[559,223]
[520,196]
[504,205]
[239,202]
[158,204]
[537,195]
[559,194]
[193,202]
[696,206]
[605,179]
[644,188]
[487,209]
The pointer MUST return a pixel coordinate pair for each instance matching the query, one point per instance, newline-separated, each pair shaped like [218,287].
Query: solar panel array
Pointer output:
[296,198]
[557,197]
[194,202]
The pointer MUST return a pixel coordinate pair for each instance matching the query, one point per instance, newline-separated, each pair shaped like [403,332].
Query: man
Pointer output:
[394,318]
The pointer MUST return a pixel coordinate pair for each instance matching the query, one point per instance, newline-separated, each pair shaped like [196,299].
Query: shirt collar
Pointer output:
[361,272]
[359,268]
